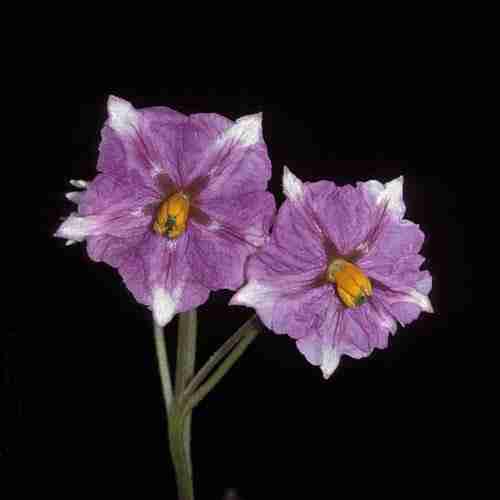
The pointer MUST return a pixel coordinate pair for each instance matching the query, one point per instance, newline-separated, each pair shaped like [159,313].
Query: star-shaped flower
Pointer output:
[341,267]
[179,204]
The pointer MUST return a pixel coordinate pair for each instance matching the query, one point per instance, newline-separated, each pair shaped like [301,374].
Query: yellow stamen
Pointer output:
[172,215]
[353,286]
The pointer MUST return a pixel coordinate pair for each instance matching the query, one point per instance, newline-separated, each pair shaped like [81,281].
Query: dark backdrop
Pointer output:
[273,428]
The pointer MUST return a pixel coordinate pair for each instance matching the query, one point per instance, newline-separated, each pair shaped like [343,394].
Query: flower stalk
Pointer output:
[190,390]
[163,366]
[226,355]
[184,369]
[179,440]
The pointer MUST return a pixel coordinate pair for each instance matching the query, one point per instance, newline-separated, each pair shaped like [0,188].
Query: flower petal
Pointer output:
[389,195]
[235,229]
[110,193]
[293,305]
[344,215]
[112,206]
[154,269]
[319,353]
[236,162]
[77,228]
[145,141]
[200,132]
[355,332]
[74,196]
[79,183]
[318,346]
[293,188]
[330,361]
[407,303]
[341,216]
[163,306]
[248,217]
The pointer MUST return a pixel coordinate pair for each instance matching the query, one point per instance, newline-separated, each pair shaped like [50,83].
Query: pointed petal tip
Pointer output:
[73,196]
[163,306]
[121,114]
[238,299]
[249,295]
[429,309]
[247,130]
[330,362]
[79,183]
[233,301]
[292,185]
[114,101]
[75,227]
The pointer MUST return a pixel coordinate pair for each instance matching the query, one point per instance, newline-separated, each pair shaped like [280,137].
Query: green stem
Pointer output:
[212,362]
[181,459]
[247,334]
[186,350]
[161,354]
[179,421]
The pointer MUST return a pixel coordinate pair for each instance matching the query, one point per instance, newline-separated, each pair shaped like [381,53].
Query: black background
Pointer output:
[273,428]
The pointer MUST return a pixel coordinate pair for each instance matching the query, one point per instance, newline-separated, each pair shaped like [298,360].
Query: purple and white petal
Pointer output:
[294,305]
[146,142]
[234,230]
[236,162]
[388,195]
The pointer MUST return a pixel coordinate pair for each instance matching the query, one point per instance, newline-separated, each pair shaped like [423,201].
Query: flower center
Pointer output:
[172,215]
[353,286]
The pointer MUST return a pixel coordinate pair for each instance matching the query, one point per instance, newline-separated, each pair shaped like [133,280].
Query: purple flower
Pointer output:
[179,204]
[341,267]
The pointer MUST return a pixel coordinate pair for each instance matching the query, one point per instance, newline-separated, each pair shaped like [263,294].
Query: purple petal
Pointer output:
[345,216]
[143,141]
[294,305]
[218,250]
[200,135]
[109,193]
[236,162]
[154,269]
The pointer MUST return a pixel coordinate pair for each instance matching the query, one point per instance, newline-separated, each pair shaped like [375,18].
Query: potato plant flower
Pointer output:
[179,203]
[342,267]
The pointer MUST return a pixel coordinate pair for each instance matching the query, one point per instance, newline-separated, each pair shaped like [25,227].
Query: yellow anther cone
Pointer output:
[353,286]
[172,215]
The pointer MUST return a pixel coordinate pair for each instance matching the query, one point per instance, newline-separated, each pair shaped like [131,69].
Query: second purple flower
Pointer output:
[341,268]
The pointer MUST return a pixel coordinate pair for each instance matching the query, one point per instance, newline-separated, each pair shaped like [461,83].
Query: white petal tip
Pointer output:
[330,362]
[292,185]
[247,130]
[79,183]
[163,306]
[70,242]
[413,296]
[74,196]
[421,300]
[76,228]
[121,114]
[249,295]
[390,194]
[393,194]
